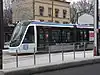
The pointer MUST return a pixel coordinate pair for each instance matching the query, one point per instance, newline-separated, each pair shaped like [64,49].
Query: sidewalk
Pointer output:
[41,59]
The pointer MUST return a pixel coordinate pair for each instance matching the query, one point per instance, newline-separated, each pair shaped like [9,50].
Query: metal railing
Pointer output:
[73,47]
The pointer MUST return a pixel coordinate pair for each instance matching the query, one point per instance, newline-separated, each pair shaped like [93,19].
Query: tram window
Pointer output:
[41,34]
[64,36]
[68,36]
[56,35]
[29,37]
[81,36]
[85,36]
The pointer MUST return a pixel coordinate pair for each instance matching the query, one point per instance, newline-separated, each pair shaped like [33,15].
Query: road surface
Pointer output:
[93,69]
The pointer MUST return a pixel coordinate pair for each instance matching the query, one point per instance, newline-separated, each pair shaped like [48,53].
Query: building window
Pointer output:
[56,12]
[41,20]
[64,13]
[41,9]
[49,12]
[57,21]
[65,22]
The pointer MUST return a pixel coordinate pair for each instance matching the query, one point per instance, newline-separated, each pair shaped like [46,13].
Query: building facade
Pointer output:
[41,10]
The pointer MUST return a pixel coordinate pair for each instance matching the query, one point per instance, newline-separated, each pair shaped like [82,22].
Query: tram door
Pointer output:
[42,39]
[28,43]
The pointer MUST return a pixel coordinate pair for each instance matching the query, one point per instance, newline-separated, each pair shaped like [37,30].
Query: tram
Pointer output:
[33,36]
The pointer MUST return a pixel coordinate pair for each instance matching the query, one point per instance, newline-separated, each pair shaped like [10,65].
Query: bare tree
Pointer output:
[7,12]
[21,11]
[73,13]
[81,7]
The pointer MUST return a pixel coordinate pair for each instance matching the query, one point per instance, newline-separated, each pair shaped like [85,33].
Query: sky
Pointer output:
[80,0]
[75,0]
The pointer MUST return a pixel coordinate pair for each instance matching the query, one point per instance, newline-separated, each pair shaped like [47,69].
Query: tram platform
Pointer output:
[40,59]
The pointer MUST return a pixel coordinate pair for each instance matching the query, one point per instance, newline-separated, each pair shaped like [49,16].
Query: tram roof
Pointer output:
[84,26]
[62,25]
[52,24]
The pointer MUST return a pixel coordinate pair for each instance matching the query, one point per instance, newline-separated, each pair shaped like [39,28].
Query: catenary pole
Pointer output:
[96,29]
[1,32]
[33,9]
[52,9]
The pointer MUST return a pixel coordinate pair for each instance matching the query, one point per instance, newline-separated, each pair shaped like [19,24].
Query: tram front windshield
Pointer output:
[18,34]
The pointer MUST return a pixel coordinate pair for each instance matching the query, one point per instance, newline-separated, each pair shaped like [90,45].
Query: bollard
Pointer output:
[62,53]
[84,49]
[49,55]
[34,57]
[74,49]
[16,58]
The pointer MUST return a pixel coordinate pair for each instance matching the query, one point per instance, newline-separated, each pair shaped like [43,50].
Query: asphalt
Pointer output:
[91,69]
